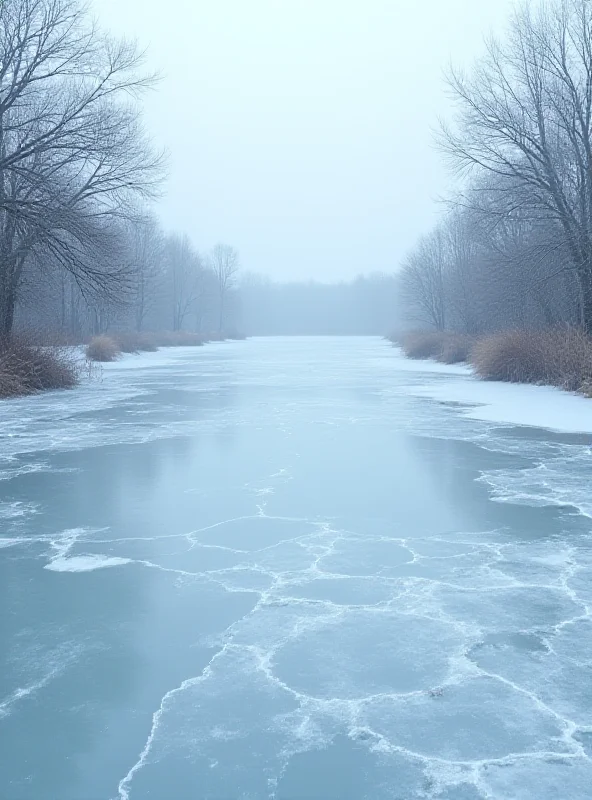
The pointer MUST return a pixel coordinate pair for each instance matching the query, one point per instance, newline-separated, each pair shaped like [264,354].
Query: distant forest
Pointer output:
[363,306]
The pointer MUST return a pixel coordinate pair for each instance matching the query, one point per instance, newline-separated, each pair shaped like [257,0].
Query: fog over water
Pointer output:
[301,131]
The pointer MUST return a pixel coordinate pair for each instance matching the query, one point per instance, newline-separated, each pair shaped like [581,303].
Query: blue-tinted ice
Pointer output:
[281,569]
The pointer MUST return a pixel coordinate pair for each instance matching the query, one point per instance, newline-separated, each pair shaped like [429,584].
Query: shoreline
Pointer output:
[514,404]
[558,357]
[28,368]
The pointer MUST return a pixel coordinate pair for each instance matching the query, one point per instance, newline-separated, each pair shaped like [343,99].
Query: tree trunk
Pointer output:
[8,283]
[7,304]
[221,325]
[585,276]
[74,324]
[63,303]
[140,307]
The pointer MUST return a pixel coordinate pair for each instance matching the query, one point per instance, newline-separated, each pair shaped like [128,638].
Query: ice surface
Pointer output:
[337,571]
[478,720]
[9,542]
[367,653]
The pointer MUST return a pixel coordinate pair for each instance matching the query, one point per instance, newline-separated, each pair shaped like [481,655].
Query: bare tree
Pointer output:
[423,280]
[462,280]
[185,277]
[73,156]
[146,254]
[224,263]
[526,117]
[205,296]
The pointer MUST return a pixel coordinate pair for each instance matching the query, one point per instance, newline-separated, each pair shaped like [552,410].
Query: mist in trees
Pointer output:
[364,306]
[223,265]
[80,250]
[169,286]
[515,248]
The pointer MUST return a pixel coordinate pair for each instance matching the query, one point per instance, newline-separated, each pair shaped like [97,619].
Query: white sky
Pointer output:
[300,131]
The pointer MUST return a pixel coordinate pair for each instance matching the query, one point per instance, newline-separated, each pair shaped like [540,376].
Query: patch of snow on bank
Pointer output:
[514,404]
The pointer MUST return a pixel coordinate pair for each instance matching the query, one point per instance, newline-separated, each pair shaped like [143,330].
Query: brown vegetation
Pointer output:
[422,344]
[132,342]
[27,368]
[557,358]
[456,348]
[102,348]
[560,357]
[108,348]
[450,348]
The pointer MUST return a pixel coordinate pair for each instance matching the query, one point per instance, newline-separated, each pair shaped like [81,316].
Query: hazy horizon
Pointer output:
[301,133]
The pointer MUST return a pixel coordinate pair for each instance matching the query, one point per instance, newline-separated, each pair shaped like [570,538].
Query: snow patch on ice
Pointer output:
[85,563]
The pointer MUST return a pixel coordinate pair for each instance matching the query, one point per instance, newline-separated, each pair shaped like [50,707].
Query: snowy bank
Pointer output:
[508,403]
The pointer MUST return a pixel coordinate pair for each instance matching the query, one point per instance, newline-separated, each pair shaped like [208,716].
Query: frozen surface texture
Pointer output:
[299,568]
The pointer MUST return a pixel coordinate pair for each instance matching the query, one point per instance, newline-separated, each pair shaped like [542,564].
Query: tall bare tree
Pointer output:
[526,117]
[224,263]
[73,155]
[423,280]
[146,244]
[185,273]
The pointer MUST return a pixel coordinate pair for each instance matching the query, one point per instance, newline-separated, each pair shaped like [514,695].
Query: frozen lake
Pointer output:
[295,568]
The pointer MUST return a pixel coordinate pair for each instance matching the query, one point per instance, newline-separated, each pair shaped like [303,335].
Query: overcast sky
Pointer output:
[300,130]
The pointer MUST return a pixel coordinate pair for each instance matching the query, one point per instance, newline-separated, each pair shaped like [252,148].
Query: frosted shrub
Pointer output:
[133,342]
[561,357]
[456,348]
[426,344]
[102,348]
[28,368]
[450,348]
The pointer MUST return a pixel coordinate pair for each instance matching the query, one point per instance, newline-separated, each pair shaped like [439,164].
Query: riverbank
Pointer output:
[561,357]
[109,347]
[30,365]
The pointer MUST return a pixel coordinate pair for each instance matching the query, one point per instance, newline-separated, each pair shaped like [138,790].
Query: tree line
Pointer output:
[79,248]
[363,306]
[168,285]
[514,248]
